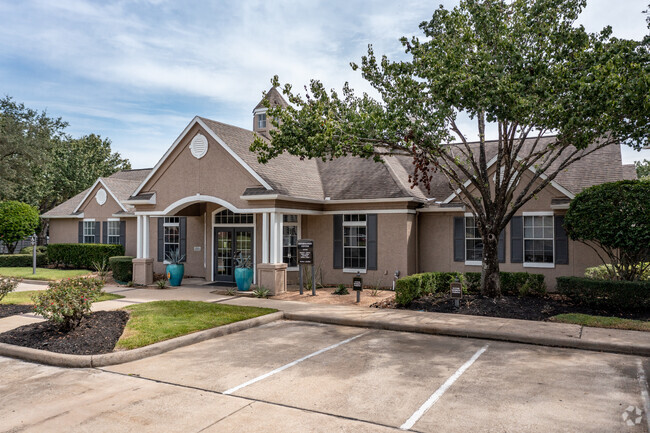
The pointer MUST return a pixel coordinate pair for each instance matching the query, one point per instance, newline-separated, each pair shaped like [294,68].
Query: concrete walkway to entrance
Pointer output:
[491,328]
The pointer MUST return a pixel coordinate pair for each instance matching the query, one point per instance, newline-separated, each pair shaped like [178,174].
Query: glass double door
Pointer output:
[231,242]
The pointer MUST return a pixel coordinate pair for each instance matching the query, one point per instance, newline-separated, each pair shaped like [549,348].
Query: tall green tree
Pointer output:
[17,221]
[521,68]
[642,169]
[25,137]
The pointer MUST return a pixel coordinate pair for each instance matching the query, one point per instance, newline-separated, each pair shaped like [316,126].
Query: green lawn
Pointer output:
[26,297]
[602,322]
[161,320]
[42,273]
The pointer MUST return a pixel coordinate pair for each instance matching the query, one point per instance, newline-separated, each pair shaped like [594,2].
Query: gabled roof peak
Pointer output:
[274,96]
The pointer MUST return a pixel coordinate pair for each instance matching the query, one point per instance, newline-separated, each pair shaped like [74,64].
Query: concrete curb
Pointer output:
[456,331]
[113,358]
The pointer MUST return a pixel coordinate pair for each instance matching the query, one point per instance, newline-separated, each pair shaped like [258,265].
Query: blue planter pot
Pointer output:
[175,274]
[244,278]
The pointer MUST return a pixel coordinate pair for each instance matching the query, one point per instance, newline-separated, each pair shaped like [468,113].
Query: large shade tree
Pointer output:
[518,69]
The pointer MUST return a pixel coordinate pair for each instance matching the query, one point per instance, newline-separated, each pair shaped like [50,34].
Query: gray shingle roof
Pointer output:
[274,97]
[122,184]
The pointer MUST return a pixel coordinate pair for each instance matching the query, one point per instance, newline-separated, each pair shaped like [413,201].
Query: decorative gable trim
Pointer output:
[92,188]
[493,161]
[197,121]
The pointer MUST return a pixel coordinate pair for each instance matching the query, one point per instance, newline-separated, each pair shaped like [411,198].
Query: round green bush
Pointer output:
[122,267]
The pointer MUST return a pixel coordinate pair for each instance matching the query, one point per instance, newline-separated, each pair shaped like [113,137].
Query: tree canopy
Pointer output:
[17,221]
[519,70]
[614,219]
[43,166]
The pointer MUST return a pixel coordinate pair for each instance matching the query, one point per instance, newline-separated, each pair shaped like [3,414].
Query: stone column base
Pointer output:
[272,276]
[143,271]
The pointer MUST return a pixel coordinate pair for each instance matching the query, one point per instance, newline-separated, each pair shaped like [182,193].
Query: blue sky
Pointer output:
[138,71]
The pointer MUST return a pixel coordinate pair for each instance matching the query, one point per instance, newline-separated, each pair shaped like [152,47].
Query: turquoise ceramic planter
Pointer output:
[244,278]
[175,274]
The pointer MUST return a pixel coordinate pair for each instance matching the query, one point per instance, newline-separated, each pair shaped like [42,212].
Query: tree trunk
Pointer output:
[490,279]
[11,247]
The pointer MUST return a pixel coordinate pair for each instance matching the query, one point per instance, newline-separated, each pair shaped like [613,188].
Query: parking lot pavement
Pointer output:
[307,377]
[413,381]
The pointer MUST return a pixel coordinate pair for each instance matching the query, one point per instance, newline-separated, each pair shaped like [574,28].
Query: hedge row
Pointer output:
[512,283]
[22,260]
[82,256]
[606,294]
[122,267]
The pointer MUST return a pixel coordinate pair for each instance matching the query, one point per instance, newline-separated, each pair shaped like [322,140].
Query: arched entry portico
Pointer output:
[218,229]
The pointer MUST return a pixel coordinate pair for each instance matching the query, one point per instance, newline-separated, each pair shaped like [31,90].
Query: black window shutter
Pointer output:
[98,227]
[371,227]
[517,239]
[338,241]
[161,239]
[501,249]
[459,239]
[104,232]
[561,242]
[183,233]
[123,234]
[80,239]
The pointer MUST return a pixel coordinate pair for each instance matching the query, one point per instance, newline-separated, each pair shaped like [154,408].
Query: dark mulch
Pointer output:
[7,310]
[97,333]
[508,307]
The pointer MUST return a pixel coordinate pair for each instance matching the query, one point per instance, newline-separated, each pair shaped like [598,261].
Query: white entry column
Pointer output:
[265,237]
[273,273]
[276,238]
[142,264]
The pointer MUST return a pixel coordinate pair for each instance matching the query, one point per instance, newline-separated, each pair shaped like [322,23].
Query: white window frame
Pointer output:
[168,223]
[108,231]
[296,224]
[469,262]
[523,240]
[365,247]
[92,224]
[261,118]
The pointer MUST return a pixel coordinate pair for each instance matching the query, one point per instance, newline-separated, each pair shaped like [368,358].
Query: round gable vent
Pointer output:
[199,146]
[101,197]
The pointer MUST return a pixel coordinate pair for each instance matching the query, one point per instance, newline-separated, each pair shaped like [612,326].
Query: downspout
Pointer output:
[417,242]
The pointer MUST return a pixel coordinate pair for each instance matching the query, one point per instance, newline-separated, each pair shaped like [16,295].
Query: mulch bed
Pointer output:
[507,307]
[7,310]
[97,333]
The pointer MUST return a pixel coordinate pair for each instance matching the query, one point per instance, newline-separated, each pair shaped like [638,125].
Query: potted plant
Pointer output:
[243,271]
[175,268]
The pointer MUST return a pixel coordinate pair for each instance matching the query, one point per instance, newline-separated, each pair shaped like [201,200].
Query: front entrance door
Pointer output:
[229,241]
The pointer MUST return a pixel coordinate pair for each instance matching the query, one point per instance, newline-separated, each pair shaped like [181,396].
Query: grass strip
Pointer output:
[602,321]
[25,298]
[152,322]
[44,274]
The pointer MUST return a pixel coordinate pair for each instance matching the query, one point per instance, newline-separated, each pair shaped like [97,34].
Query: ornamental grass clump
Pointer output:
[66,302]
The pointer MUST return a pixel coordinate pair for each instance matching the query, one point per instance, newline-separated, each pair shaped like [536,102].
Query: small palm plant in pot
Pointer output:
[243,271]
[175,268]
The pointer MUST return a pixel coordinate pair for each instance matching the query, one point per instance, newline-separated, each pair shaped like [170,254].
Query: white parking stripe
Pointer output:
[643,380]
[291,364]
[440,391]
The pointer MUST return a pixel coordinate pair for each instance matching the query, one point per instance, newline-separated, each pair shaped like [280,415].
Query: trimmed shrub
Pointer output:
[122,267]
[604,272]
[22,260]
[39,249]
[512,283]
[7,285]
[68,301]
[82,256]
[606,294]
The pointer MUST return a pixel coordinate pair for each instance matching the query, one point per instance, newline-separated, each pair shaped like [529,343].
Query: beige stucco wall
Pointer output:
[66,230]
[181,175]
[395,248]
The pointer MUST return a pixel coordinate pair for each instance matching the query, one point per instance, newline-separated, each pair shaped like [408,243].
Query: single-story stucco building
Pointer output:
[209,197]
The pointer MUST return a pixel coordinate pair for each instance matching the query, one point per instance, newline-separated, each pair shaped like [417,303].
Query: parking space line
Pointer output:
[440,391]
[643,380]
[291,364]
